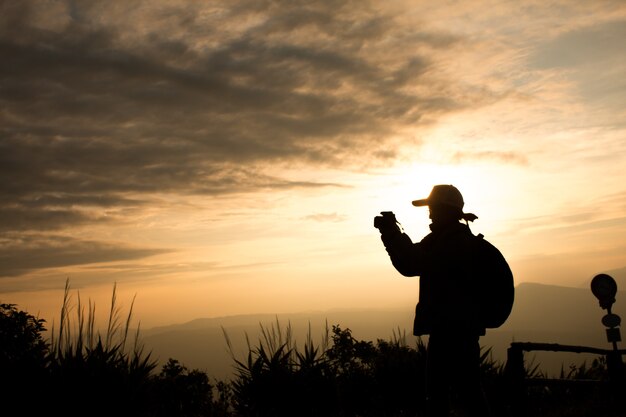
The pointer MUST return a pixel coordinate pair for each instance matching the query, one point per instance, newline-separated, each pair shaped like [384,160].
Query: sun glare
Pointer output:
[483,188]
[415,181]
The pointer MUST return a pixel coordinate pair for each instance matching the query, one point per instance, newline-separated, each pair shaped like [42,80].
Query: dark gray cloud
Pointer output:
[594,58]
[86,108]
[25,253]
[583,46]
[45,211]
[91,109]
[104,106]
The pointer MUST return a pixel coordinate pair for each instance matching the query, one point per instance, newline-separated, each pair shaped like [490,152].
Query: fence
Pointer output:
[519,383]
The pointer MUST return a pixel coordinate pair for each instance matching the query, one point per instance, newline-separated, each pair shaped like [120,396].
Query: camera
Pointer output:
[386,220]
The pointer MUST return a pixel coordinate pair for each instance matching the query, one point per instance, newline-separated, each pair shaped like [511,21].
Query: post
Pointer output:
[515,377]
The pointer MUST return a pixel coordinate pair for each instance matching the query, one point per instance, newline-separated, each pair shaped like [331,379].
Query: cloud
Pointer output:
[25,253]
[104,108]
[515,158]
[593,57]
[42,211]
[93,105]
[582,46]
[326,217]
[601,216]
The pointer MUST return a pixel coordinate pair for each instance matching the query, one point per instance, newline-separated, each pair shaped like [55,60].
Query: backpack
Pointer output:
[495,289]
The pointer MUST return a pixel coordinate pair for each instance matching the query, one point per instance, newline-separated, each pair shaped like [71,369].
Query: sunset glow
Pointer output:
[228,157]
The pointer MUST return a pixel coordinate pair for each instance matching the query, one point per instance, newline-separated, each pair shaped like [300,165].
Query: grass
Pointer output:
[88,365]
[80,334]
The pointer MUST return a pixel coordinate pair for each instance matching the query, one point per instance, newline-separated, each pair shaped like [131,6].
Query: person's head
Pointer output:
[445,204]
[444,213]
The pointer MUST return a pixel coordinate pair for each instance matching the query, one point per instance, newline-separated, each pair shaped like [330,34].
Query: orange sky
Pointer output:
[228,157]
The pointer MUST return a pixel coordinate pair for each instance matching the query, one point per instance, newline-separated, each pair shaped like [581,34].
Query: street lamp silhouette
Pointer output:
[604,287]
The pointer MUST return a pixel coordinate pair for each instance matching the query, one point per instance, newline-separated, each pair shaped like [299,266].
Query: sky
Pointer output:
[228,157]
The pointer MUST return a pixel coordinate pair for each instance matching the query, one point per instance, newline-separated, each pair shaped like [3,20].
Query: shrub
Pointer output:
[277,380]
[180,392]
[349,378]
[24,358]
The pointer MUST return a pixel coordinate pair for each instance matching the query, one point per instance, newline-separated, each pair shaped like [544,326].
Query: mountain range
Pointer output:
[541,313]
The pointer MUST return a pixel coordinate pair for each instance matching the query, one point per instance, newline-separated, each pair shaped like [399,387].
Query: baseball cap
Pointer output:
[448,195]
[442,194]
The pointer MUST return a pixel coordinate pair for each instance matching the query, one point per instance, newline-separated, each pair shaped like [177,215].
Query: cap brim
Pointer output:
[420,203]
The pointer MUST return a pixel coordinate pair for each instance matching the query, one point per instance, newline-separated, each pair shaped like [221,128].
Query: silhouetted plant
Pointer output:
[349,378]
[277,380]
[399,374]
[386,378]
[83,372]
[597,371]
[223,404]
[180,392]
[90,368]
[578,396]
[21,339]
[352,362]
[24,358]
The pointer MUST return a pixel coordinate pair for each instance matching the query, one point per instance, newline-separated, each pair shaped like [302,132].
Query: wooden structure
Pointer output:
[605,289]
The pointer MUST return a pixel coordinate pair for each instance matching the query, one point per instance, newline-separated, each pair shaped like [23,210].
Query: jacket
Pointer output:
[447,298]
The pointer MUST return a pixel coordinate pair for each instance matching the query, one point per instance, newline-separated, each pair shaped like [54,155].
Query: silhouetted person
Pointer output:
[444,310]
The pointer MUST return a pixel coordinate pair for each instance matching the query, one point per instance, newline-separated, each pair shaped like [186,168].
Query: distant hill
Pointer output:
[554,314]
[542,313]
[201,343]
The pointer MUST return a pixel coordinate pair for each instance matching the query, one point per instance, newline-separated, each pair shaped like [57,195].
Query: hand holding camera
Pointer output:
[386,222]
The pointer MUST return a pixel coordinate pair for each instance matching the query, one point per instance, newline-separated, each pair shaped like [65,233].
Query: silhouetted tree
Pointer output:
[179,392]
[21,342]
[24,357]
